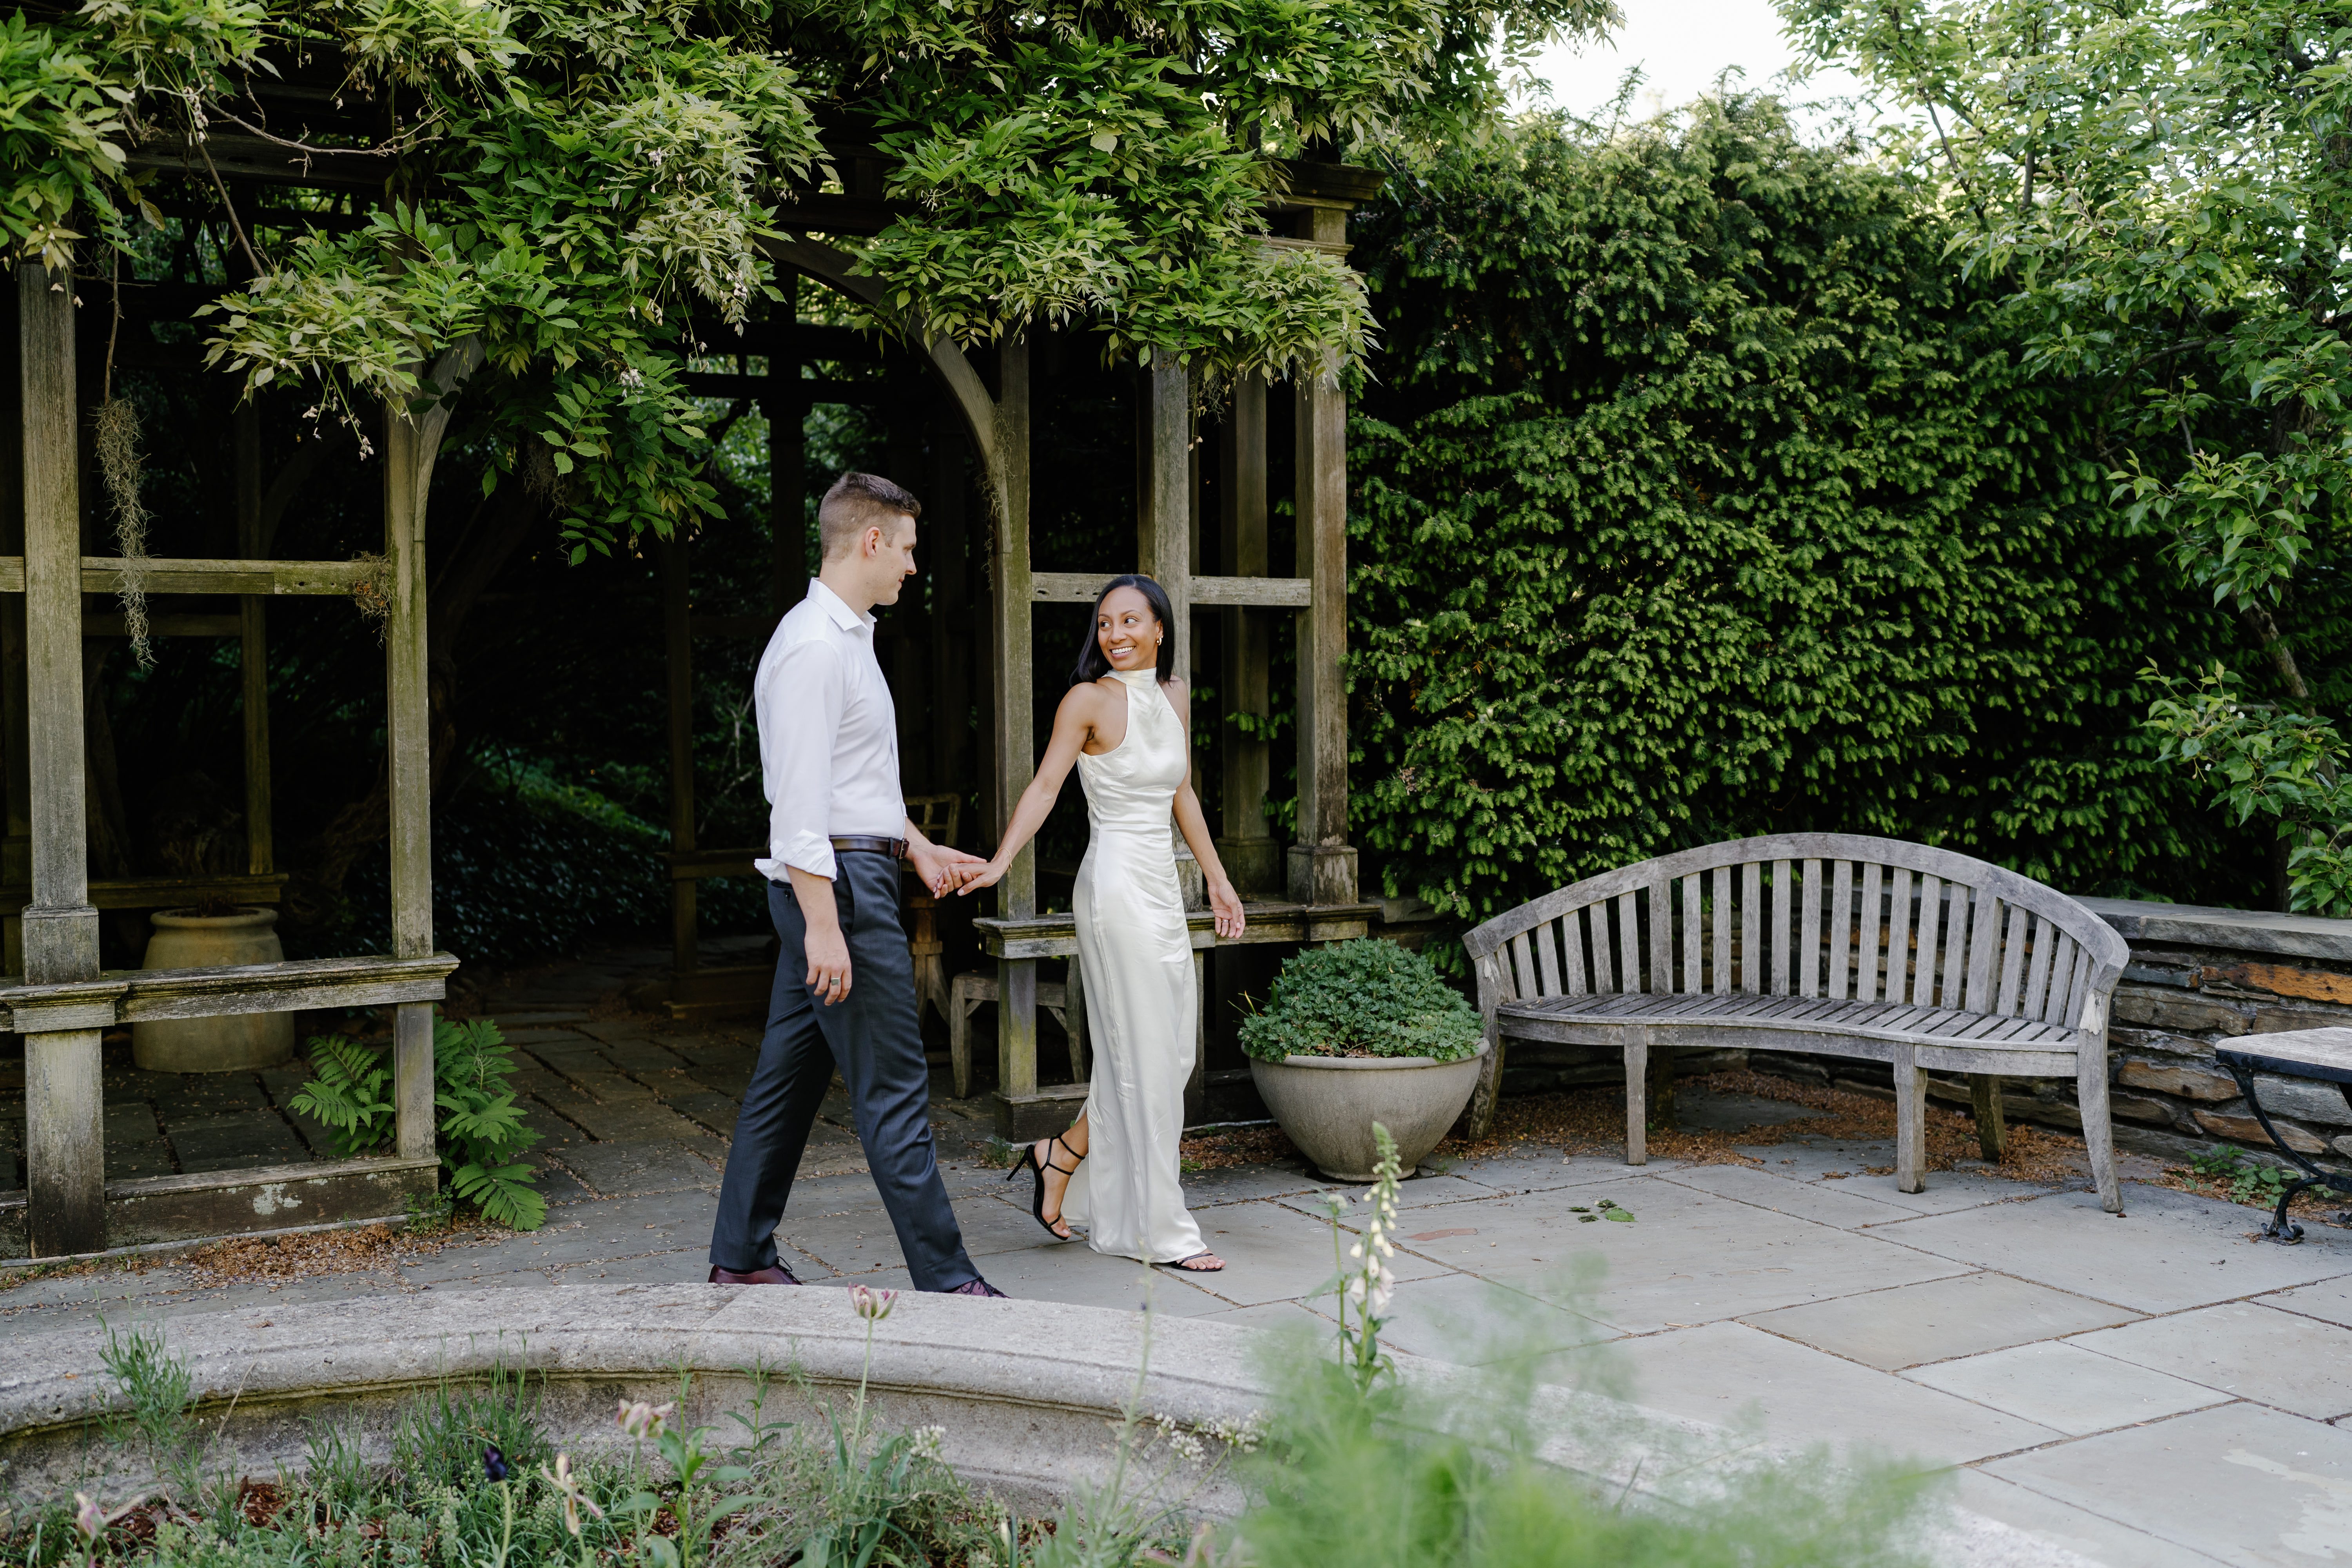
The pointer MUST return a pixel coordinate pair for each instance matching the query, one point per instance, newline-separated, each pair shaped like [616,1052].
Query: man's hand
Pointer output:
[938,865]
[828,950]
[971,880]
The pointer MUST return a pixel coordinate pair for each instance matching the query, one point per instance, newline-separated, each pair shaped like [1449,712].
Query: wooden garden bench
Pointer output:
[1825,942]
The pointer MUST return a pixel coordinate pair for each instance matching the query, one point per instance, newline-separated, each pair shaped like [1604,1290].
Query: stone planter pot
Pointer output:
[1326,1105]
[229,1043]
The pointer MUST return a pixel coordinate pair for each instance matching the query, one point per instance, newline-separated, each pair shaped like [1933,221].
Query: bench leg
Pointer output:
[2098,1132]
[1910,1125]
[1637,1109]
[1992,1122]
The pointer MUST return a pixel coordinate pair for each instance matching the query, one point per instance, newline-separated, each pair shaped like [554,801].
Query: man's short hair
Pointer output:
[857,502]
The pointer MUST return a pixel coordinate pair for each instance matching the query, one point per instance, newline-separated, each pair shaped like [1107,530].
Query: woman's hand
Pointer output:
[970,879]
[1226,905]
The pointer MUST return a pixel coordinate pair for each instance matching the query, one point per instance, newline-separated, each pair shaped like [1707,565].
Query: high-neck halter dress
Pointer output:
[1140,997]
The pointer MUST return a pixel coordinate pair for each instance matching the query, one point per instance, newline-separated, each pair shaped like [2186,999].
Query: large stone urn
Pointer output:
[1326,1105]
[228,1042]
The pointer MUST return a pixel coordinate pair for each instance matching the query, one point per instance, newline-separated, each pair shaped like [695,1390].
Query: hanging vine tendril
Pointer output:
[119,465]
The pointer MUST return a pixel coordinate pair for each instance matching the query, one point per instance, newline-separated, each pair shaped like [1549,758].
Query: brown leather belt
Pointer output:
[859,845]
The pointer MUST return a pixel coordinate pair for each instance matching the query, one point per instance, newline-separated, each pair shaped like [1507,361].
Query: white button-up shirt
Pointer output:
[828,736]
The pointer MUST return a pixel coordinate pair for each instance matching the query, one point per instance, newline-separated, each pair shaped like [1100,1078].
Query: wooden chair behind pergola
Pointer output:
[59,999]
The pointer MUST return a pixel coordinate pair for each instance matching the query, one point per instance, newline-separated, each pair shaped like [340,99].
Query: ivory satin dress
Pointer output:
[1140,997]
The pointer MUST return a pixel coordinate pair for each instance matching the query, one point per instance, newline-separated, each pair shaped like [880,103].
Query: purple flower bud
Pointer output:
[494,1464]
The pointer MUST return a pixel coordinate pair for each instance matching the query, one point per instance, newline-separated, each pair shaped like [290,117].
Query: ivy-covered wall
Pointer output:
[1695,496]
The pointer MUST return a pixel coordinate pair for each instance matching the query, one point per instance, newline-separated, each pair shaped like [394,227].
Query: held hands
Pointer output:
[972,878]
[940,868]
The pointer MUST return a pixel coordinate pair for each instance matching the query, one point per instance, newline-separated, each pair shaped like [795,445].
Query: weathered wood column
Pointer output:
[253,650]
[1253,859]
[1163,524]
[412,439]
[1322,865]
[1163,534]
[1015,726]
[17,848]
[65,1149]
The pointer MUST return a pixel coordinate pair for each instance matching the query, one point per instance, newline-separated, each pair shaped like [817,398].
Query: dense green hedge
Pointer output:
[1695,499]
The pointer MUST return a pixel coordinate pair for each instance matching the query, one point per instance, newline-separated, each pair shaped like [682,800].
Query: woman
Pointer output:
[1126,723]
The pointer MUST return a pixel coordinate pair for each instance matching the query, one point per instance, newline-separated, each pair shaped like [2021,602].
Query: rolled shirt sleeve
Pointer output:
[801,698]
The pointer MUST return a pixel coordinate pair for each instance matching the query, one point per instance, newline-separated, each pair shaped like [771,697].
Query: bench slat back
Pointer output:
[1808,915]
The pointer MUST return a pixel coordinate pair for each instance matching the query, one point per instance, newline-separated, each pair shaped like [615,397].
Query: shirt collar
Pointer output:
[833,605]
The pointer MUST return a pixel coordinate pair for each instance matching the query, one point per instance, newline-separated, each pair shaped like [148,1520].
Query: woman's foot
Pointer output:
[1200,1263]
[1054,1181]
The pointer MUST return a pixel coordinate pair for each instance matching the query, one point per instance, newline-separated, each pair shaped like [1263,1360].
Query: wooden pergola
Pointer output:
[56,995]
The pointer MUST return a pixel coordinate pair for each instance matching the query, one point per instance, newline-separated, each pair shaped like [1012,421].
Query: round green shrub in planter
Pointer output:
[1357,1033]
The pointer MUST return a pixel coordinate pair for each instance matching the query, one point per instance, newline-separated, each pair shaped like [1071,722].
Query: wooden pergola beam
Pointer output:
[166,575]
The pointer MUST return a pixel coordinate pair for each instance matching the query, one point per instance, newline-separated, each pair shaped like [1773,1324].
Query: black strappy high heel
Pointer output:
[1038,1198]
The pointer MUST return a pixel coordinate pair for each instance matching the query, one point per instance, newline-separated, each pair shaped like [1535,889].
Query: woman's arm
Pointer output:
[1222,901]
[1074,722]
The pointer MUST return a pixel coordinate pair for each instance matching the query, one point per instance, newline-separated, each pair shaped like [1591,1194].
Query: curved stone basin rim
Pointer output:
[1024,1391]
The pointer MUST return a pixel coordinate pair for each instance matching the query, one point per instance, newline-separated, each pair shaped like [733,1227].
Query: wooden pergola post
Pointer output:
[1322,863]
[411,442]
[65,1150]
[17,848]
[1014,734]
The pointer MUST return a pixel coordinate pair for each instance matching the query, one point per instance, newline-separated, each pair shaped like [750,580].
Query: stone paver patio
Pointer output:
[2157,1389]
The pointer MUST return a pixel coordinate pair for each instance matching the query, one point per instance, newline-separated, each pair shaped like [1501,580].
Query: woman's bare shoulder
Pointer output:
[1085,701]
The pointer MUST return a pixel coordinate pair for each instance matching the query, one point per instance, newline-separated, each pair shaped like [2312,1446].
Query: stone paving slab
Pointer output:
[2244,1484]
[2061,1384]
[1079,1277]
[1470,1321]
[2098,1536]
[1688,1258]
[616,1169]
[1275,1254]
[1824,1203]
[1542,1173]
[627,1121]
[2246,1351]
[1805,1396]
[2330,1301]
[1940,1320]
[234,1140]
[1244,1184]
[1822,1161]
[2169,1251]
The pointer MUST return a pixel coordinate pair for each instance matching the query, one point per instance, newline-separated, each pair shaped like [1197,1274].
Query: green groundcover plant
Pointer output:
[1362,998]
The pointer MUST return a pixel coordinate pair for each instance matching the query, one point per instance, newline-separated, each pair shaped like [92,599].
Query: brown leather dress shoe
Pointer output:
[774,1274]
[977,1286]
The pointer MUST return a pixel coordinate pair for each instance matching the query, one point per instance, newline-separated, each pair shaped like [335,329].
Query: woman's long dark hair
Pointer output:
[1092,666]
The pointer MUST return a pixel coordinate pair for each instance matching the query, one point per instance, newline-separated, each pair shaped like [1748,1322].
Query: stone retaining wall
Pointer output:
[2202,978]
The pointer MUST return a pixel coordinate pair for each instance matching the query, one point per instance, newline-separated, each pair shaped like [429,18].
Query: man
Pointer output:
[844,992]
